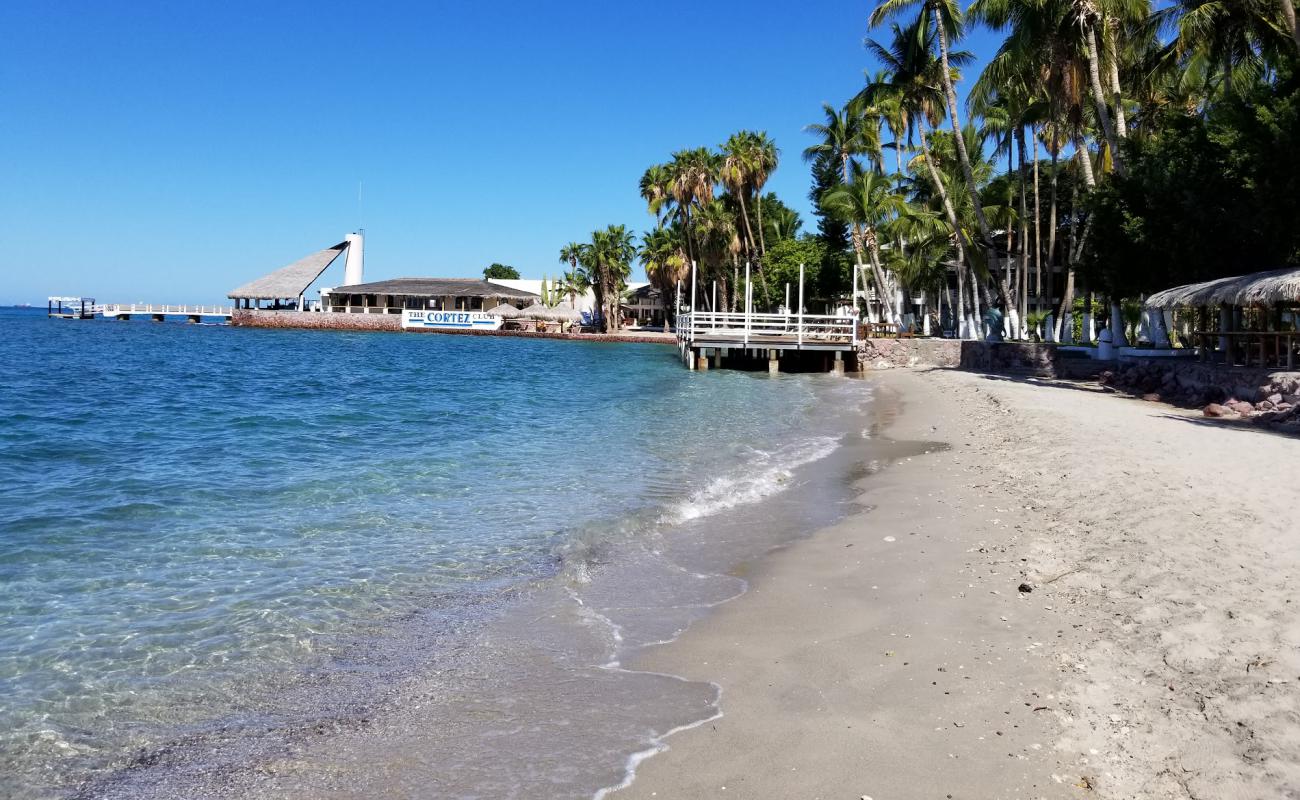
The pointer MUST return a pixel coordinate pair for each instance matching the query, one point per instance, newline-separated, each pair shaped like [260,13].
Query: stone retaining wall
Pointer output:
[893,353]
[1027,358]
[254,318]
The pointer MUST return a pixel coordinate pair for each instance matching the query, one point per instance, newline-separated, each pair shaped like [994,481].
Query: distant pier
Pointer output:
[87,308]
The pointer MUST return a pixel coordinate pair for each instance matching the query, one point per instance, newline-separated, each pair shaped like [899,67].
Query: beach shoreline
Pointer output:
[1036,611]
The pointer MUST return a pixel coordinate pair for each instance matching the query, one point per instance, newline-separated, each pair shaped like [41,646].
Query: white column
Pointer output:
[800,309]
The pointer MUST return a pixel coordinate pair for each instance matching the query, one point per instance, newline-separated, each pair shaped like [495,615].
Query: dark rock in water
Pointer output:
[1025,588]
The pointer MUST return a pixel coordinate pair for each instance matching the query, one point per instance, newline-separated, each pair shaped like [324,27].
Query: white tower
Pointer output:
[353,267]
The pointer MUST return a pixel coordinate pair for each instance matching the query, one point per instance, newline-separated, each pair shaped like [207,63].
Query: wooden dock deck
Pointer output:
[717,335]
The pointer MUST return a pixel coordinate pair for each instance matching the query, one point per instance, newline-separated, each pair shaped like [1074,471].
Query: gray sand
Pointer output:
[893,655]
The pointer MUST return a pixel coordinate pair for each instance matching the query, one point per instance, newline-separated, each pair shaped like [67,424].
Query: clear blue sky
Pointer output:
[166,151]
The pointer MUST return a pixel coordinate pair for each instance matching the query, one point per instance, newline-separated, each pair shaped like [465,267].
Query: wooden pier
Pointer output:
[720,338]
[160,311]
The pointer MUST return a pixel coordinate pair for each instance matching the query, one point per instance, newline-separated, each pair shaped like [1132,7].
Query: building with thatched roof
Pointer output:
[1256,319]
[1256,290]
[286,287]
[438,294]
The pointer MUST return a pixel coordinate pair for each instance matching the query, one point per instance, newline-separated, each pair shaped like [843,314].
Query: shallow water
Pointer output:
[245,562]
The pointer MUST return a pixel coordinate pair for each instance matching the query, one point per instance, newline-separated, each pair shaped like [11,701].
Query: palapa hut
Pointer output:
[1256,319]
[506,311]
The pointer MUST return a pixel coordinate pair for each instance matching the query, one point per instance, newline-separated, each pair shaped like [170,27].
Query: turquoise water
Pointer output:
[194,520]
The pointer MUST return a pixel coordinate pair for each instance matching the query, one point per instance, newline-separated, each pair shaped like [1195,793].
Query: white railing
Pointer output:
[816,329]
[120,309]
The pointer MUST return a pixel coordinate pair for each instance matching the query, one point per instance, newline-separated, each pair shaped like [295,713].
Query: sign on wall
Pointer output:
[450,320]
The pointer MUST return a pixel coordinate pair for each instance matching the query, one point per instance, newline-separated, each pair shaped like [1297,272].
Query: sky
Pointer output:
[168,152]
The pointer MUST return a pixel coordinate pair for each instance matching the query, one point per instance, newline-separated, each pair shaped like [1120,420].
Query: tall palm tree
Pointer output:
[734,173]
[694,173]
[608,258]
[845,135]
[912,73]
[765,159]
[946,18]
[656,190]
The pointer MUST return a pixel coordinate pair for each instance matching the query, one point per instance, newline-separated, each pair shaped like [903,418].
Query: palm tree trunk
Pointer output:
[1121,125]
[1024,228]
[1099,96]
[950,95]
[1051,216]
[1038,241]
[885,287]
[1288,11]
[762,238]
[1067,298]
[962,257]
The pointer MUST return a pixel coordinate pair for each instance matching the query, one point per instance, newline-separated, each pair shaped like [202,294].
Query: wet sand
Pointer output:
[896,655]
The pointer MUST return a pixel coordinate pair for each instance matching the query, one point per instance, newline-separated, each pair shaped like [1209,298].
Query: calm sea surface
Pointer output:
[212,539]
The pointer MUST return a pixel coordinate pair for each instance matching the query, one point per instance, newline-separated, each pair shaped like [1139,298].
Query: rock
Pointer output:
[1241,407]
[1025,588]
[1273,399]
[1151,397]
[1216,410]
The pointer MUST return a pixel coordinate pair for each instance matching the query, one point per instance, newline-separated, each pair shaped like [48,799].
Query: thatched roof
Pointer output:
[535,310]
[563,312]
[505,311]
[436,287]
[1256,289]
[289,281]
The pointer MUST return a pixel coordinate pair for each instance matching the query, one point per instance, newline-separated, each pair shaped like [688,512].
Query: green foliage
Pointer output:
[501,271]
[782,267]
[1204,197]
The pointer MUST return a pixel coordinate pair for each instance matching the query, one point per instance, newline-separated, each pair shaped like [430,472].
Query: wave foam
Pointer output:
[766,474]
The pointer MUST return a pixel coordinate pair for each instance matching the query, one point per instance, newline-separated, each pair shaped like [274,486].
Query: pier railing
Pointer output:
[761,329]
[122,309]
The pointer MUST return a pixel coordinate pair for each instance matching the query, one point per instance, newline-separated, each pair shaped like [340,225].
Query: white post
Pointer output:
[749,299]
[714,307]
[787,298]
[855,286]
[677,307]
[693,281]
[800,329]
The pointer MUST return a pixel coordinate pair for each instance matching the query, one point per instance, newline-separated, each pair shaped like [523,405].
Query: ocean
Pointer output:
[247,563]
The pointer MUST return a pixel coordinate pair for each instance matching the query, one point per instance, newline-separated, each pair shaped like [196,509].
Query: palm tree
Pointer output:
[782,222]
[912,75]
[1236,35]
[664,260]
[765,158]
[608,258]
[656,190]
[693,174]
[946,18]
[735,174]
[846,134]
[868,202]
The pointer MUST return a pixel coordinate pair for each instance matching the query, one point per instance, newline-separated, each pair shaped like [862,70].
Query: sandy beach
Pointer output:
[1084,595]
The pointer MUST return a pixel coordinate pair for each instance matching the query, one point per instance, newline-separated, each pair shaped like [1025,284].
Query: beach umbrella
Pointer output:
[505,311]
[565,312]
[535,311]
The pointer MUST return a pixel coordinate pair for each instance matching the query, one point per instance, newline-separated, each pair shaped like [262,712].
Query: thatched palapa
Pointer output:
[505,311]
[1257,289]
[291,281]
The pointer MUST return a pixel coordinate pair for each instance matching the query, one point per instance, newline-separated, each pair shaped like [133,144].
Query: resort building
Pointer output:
[644,305]
[433,294]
